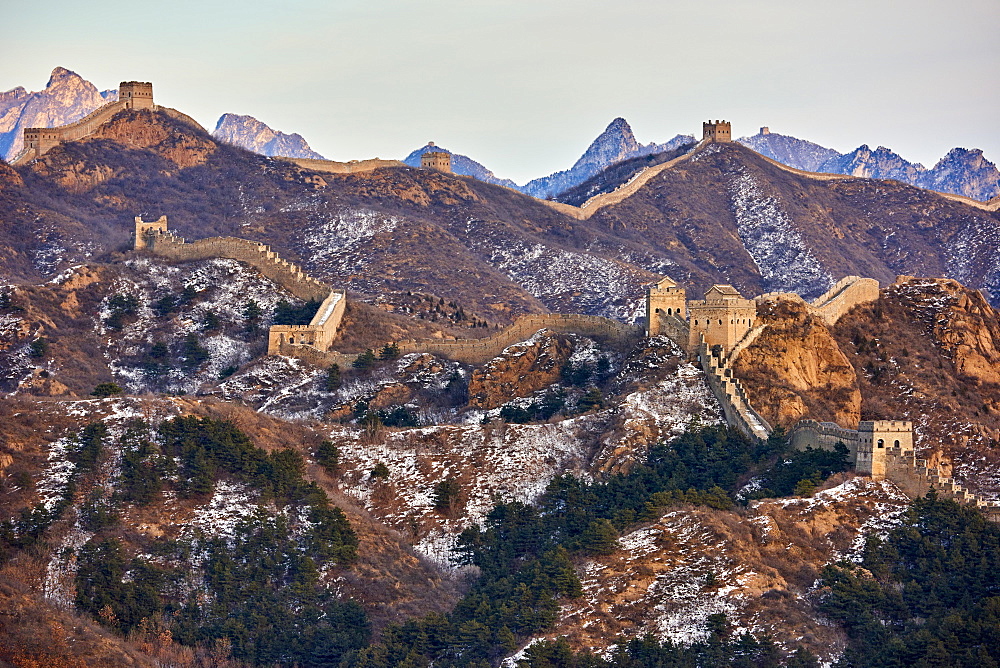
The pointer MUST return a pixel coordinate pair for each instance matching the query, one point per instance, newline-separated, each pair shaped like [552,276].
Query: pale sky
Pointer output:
[523,86]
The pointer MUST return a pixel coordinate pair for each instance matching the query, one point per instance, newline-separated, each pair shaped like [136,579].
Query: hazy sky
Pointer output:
[524,86]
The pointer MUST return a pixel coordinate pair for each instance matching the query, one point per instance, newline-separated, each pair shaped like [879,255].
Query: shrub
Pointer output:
[365,360]
[104,390]
[328,456]
[39,348]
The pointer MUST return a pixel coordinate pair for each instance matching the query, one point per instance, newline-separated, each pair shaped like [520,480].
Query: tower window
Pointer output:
[881,443]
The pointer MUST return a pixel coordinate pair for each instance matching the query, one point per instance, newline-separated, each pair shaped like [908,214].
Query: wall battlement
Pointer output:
[38,141]
[318,334]
[884,450]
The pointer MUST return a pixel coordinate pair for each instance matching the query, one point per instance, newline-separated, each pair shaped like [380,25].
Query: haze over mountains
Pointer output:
[962,171]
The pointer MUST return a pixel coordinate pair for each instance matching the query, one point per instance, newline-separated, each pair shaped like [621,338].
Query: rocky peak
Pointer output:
[67,97]
[964,172]
[882,163]
[60,75]
[253,135]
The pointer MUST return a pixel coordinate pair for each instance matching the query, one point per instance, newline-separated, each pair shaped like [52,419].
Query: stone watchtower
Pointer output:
[664,299]
[145,233]
[876,438]
[136,94]
[40,140]
[439,160]
[723,317]
[719,131]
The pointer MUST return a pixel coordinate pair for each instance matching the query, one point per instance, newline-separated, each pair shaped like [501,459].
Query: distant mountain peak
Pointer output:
[60,75]
[256,136]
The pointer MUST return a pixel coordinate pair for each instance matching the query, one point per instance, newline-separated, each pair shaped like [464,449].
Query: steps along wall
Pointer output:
[915,479]
[286,274]
[728,391]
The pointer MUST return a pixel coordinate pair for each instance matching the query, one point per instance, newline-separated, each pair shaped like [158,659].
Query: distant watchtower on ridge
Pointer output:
[719,131]
[439,160]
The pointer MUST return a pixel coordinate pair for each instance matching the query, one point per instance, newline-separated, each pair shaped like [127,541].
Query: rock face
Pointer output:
[461,164]
[519,371]
[881,163]
[249,133]
[791,151]
[964,172]
[67,97]
[795,369]
[616,143]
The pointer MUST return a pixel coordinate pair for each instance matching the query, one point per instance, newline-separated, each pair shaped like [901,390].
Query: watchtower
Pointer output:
[145,233]
[876,438]
[723,317]
[136,94]
[439,160]
[718,131]
[40,140]
[665,298]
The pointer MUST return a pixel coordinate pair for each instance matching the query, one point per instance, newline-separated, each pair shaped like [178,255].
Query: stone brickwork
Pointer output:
[320,331]
[665,298]
[351,167]
[847,293]
[438,160]
[717,131]
[38,141]
[731,396]
[884,450]
[722,318]
[286,274]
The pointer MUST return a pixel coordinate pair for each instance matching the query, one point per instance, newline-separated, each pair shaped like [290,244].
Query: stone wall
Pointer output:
[728,391]
[477,351]
[320,331]
[847,293]
[257,255]
[352,167]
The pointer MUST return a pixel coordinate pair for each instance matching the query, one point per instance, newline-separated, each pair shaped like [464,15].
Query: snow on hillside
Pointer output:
[668,576]
[219,288]
[506,461]
[337,244]
[781,255]
[565,281]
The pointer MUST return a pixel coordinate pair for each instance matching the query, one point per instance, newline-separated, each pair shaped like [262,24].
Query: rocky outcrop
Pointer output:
[881,163]
[249,133]
[519,371]
[67,97]
[796,369]
[964,172]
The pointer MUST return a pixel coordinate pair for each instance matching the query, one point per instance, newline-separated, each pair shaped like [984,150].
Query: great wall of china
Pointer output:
[311,343]
[716,348]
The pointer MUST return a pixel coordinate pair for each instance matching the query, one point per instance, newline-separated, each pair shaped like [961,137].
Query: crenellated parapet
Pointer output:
[155,238]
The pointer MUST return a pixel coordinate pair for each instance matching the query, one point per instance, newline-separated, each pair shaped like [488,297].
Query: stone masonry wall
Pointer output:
[727,389]
[257,255]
